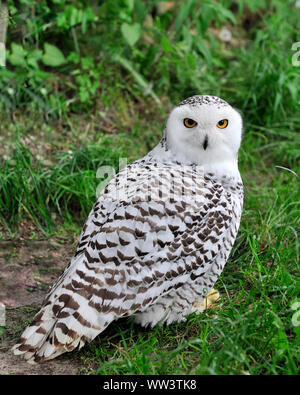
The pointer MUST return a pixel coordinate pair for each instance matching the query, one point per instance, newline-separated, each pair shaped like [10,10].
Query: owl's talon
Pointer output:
[208,302]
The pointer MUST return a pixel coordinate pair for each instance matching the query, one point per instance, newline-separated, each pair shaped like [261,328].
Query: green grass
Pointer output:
[35,187]
[48,176]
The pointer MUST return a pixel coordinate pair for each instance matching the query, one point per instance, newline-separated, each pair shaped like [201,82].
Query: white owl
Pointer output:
[156,240]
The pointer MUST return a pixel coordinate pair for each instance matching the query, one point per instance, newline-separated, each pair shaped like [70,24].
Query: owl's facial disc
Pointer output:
[204,129]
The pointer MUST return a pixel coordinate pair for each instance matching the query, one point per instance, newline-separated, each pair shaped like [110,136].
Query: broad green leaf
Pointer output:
[17,55]
[131,33]
[53,56]
[61,19]
[33,58]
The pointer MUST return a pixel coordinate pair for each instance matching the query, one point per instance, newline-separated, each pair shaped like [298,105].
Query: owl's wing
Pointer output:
[131,252]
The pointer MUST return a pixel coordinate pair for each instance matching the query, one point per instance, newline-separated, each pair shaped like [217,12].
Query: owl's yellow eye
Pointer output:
[189,123]
[222,124]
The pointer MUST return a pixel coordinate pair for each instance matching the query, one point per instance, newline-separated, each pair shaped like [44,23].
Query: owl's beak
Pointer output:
[205,142]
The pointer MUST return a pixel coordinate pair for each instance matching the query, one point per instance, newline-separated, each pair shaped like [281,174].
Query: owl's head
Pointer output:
[204,129]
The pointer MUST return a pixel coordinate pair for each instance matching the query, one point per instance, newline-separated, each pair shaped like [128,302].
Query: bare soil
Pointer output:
[27,269]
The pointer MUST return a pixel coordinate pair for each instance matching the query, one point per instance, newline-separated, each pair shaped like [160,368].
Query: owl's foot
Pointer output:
[208,302]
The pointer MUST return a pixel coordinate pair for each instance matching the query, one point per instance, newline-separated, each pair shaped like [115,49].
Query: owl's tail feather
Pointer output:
[46,338]
[35,336]
[68,319]
[49,336]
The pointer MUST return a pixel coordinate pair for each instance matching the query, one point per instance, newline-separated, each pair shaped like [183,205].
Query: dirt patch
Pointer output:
[64,365]
[27,269]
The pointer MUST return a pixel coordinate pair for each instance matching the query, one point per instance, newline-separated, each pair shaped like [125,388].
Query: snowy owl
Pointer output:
[157,238]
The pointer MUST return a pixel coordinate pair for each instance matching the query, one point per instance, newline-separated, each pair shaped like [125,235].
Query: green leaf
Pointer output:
[165,43]
[61,19]
[53,56]
[141,10]
[202,47]
[33,58]
[131,33]
[183,14]
[17,55]
[191,61]
[222,13]
[76,16]
[129,4]
[138,77]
